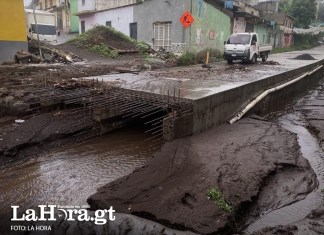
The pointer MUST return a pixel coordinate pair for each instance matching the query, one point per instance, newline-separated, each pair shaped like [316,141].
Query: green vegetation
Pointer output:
[143,47]
[102,40]
[303,11]
[103,50]
[284,5]
[322,190]
[187,58]
[301,42]
[216,195]
[320,16]
[214,55]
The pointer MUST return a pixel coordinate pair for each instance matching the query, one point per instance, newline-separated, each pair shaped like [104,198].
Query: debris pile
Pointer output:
[304,57]
[270,62]
[71,84]
[24,57]
[237,67]
[52,55]
[107,38]
[162,54]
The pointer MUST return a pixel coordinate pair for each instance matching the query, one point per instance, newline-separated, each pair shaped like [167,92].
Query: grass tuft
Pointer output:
[216,195]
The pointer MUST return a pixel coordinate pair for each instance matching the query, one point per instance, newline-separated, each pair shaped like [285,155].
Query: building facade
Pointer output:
[65,13]
[158,22]
[13,36]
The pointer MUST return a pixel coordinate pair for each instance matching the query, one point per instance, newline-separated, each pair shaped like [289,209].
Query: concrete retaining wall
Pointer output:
[219,108]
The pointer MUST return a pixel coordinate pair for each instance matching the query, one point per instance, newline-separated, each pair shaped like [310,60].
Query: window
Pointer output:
[83,2]
[51,3]
[133,30]
[108,23]
[162,35]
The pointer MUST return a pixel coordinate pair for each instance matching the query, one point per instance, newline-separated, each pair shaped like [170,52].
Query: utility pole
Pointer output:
[36,25]
[66,15]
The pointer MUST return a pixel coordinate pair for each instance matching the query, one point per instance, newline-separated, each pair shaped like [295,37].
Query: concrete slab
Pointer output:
[196,82]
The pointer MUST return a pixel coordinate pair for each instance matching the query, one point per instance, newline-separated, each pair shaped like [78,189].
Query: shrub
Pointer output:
[103,50]
[214,54]
[143,47]
[216,195]
[187,58]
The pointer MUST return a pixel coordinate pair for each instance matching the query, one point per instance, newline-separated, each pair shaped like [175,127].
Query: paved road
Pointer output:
[196,82]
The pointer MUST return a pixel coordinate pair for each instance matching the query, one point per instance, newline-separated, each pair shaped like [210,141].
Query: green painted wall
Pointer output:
[210,28]
[74,18]
[263,32]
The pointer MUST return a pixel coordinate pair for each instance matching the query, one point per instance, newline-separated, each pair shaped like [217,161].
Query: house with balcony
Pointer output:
[283,23]
[65,13]
[157,22]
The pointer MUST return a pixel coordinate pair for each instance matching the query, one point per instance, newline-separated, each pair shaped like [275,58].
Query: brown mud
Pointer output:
[40,133]
[237,159]
[311,109]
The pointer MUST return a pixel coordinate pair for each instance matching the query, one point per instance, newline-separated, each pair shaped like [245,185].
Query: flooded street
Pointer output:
[312,151]
[295,121]
[69,175]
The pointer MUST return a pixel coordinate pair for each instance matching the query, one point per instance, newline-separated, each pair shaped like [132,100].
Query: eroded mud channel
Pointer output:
[269,170]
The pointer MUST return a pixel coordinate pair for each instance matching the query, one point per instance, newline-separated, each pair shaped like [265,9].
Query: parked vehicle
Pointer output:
[46,25]
[245,47]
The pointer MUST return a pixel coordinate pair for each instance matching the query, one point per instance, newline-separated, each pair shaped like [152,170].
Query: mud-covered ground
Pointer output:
[236,159]
[252,159]
[312,112]
[256,165]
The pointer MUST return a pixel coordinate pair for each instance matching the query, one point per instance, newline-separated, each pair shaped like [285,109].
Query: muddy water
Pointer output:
[312,151]
[69,175]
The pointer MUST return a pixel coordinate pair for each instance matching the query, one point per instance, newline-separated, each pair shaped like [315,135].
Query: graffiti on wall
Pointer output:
[210,28]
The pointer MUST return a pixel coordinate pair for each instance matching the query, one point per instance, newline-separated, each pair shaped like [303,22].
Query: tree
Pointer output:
[321,13]
[304,11]
[284,5]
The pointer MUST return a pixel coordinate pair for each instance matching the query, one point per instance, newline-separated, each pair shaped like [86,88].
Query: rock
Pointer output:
[20,94]
[20,106]
[8,100]
[4,92]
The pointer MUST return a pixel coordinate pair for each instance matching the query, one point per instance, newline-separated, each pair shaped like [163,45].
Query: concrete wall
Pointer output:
[8,49]
[210,29]
[219,108]
[159,11]
[74,19]
[239,25]
[107,4]
[13,35]
[263,33]
[89,19]
[89,5]
[120,18]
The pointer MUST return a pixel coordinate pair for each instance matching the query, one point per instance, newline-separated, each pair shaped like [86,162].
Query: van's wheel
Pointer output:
[254,59]
[230,61]
[265,57]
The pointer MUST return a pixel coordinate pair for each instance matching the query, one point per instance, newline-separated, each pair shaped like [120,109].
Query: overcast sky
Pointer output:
[27,2]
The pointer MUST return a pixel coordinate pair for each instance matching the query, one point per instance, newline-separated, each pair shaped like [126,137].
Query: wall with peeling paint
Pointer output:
[152,11]
[210,28]
[263,32]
